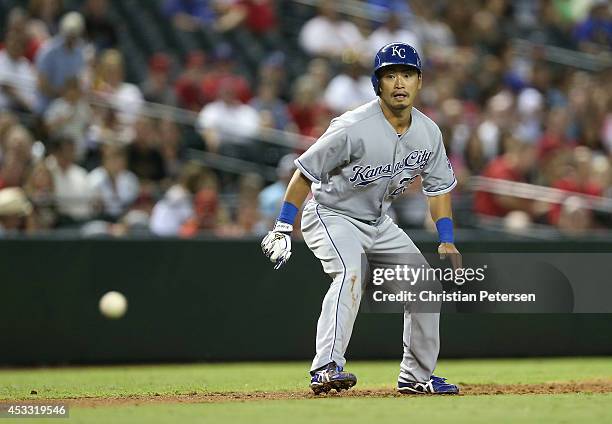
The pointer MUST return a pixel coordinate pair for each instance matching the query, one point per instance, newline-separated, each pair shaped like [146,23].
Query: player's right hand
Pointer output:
[448,250]
[276,245]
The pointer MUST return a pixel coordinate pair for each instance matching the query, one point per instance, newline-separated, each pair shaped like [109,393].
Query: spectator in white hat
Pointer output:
[14,207]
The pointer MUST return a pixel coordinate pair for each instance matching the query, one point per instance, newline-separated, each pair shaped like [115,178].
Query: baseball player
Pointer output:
[365,160]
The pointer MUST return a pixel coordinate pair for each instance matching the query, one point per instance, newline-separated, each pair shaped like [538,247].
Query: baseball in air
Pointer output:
[113,305]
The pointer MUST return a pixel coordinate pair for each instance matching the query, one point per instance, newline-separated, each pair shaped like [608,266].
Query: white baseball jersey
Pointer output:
[360,165]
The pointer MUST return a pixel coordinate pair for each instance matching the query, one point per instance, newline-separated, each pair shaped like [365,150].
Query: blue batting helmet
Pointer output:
[394,54]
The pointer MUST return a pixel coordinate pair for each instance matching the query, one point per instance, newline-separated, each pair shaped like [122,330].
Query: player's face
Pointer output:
[399,86]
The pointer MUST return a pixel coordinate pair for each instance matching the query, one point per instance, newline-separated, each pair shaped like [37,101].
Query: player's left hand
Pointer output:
[448,250]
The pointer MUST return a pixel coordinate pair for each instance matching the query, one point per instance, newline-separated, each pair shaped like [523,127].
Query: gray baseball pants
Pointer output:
[340,243]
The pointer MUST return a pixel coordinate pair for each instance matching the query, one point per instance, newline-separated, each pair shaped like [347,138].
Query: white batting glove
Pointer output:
[276,245]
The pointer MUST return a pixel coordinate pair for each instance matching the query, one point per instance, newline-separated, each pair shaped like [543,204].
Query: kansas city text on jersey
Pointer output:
[364,175]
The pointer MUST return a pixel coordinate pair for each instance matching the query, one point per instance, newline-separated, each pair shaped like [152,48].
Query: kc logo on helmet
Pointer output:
[397,51]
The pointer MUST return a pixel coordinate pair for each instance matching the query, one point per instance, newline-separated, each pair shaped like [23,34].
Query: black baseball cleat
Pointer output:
[331,377]
[435,386]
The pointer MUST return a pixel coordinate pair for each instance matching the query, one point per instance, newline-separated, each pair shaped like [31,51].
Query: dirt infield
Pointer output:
[595,386]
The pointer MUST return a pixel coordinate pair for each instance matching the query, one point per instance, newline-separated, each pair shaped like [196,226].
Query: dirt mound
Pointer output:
[595,386]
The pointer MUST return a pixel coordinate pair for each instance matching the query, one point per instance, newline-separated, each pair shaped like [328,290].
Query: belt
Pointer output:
[366,221]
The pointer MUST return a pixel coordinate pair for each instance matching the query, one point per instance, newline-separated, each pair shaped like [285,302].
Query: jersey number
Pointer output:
[403,184]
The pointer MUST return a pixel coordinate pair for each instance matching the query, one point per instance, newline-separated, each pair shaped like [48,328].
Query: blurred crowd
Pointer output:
[79,149]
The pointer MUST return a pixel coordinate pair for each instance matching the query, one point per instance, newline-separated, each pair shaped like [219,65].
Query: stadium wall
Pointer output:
[206,300]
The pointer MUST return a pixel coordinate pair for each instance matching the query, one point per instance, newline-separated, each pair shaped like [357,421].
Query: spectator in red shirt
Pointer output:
[206,213]
[513,165]
[258,16]
[310,114]
[261,15]
[554,136]
[223,71]
[577,179]
[187,86]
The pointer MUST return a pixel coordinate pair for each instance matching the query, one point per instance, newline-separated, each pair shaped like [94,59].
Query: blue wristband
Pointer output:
[445,230]
[288,213]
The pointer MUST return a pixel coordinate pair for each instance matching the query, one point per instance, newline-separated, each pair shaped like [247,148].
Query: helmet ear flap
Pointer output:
[376,82]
